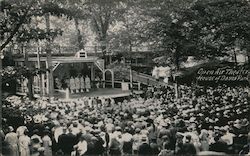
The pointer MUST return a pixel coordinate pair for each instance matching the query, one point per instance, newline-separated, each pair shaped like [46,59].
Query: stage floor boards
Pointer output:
[101,92]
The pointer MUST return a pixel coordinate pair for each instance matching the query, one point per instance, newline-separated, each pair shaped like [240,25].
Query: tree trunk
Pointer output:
[176,59]
[235,58]
[177,64]
[104,51]
[1,96]
[79,35]
[39,67]
[49,60]
[30,77]
[248,59]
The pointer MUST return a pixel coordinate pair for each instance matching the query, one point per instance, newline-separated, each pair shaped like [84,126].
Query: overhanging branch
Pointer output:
[15,30]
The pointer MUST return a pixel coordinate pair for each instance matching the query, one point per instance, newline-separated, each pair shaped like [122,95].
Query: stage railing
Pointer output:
[118,84]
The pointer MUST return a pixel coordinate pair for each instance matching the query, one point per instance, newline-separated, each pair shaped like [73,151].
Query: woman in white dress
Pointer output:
[77,84]
[87,83]
[47,143]
[82,84]
[24,144]
[72,84]
[11,139]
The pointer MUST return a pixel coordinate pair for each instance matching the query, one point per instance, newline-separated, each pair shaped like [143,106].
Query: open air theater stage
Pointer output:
[100,92]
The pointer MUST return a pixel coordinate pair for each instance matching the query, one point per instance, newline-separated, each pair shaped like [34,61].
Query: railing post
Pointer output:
[139,86]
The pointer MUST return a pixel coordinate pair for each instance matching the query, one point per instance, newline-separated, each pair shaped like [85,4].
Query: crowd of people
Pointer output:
[201,121]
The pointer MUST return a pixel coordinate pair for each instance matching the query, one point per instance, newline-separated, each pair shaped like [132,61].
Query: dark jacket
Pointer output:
[144,149]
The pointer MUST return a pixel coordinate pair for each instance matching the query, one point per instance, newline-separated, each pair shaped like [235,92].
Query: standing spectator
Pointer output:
[136,141]
[155,149]
[115,147]
[12,140]
[47,143]
[166,151]
[63,141]
[204,140]
[164,131]
[36,143]
[144,148]
[81,147]
[219,145]
[91,149]
[127,142]
[24,144]
[99,144]
[188,147]
[152,133]
[71,140]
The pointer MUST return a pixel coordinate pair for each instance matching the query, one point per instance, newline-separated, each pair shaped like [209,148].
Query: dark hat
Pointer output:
[46,131]
[188,137]
[35,131]
[244,122]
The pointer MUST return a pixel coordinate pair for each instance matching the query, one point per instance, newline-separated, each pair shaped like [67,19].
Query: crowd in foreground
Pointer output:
[202,121]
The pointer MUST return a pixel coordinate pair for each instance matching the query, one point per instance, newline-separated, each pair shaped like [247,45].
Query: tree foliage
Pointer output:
[206,29]
[17,17]
[10,72]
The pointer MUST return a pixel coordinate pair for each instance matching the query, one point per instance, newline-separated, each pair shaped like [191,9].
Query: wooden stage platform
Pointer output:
[100,92]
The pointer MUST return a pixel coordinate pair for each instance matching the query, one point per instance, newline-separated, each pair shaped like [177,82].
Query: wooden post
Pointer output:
[40,75]
[112,79]
[67,93]
[92,72]
[50,80]
[43,84]
[1,68]
[30,77]
[110,58]
[139,86]
[47,80]
[103,78]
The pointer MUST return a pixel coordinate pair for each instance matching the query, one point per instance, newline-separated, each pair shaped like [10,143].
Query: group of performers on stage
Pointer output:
[78,84]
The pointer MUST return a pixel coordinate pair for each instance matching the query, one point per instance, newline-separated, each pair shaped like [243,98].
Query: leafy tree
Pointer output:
[208,28]
[76,11]
[102,14]
[17,26]
[131,30]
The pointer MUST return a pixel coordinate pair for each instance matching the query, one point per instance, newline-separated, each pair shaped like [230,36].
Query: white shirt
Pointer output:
[127,137]
[58,131]
[228,138]
[82,147]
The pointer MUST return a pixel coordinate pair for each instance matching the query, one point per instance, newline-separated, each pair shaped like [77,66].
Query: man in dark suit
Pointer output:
[219,145]
[188,147]
[66,142]
[144,148]
[62,141]
[72,140]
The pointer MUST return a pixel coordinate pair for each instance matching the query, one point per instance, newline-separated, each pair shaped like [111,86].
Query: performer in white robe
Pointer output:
[72,84]
[77,84]
[25,85]
[97,82]
[82,84]
[87,83]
